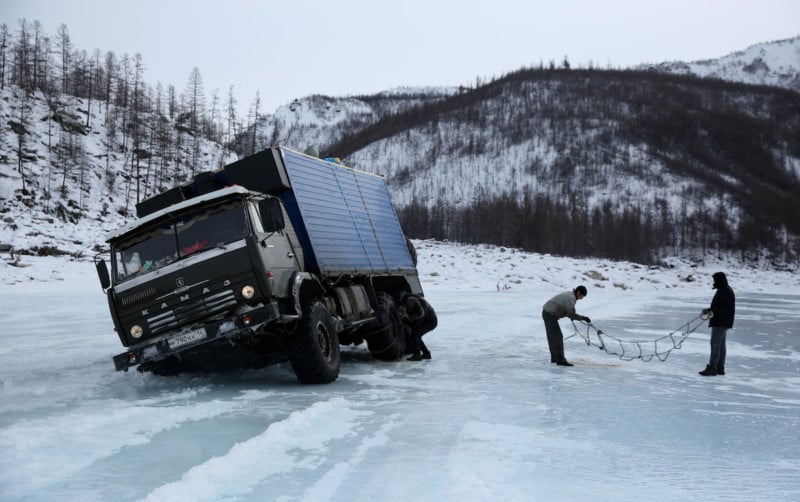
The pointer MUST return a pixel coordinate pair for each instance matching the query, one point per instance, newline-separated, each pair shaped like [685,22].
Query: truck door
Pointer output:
[278,252]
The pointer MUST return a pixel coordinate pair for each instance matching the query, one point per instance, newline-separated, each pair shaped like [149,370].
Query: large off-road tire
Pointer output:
[313,348]
[388,341]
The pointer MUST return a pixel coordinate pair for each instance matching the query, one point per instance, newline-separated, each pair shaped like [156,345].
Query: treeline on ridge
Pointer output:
[544,225]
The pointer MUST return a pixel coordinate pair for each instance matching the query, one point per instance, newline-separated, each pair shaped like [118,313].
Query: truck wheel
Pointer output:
[313,348]
[388,343]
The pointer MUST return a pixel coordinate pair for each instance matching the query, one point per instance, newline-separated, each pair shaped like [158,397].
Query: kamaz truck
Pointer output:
[278,256]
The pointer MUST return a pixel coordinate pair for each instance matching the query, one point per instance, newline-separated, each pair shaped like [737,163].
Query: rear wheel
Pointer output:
[388,342]
[313,348]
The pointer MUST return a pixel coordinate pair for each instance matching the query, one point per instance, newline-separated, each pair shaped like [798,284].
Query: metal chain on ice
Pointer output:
[628,350]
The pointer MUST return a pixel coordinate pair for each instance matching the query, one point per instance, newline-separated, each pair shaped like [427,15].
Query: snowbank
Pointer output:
[450,266]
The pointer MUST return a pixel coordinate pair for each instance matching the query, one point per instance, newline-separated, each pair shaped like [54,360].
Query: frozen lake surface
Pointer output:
[488,418]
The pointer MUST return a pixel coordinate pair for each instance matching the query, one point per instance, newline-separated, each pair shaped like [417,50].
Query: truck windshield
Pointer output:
[172,240]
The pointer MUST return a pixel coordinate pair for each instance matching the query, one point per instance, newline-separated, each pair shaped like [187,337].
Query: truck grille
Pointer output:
[192,310]
[138,296]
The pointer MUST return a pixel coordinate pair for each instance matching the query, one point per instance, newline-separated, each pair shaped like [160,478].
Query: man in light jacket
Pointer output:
[561,305]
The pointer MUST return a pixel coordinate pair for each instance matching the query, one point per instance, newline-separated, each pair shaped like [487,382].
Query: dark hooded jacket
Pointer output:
[723,305]
[419,313]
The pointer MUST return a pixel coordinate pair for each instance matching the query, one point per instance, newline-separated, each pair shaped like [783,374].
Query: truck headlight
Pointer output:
[136,331]
[248,292]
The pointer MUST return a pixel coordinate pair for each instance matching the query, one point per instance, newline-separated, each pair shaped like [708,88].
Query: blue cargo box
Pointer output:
[344,218]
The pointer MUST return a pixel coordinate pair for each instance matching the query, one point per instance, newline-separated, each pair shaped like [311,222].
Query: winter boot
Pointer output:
[709,371]
[426,354]
[416,357]
[720,370]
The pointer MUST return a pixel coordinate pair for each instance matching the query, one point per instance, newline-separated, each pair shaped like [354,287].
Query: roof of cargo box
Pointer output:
[133,225]
[348,216]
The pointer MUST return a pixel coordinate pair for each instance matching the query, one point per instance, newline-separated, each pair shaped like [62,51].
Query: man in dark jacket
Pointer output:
[420,317]
[721,313]
[561,305]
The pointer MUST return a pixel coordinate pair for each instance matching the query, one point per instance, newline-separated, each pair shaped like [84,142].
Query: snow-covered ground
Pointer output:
[488,418]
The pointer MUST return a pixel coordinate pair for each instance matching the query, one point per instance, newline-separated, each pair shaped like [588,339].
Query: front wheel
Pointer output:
[313,348]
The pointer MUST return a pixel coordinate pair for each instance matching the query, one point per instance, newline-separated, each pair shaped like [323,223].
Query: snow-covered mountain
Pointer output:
[770,63]
[567,158]
[560,161]
[320,120]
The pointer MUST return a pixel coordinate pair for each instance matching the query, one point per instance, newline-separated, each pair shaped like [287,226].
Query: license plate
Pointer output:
[186,338]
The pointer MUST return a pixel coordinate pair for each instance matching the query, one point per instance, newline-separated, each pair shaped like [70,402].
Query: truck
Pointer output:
[277,256]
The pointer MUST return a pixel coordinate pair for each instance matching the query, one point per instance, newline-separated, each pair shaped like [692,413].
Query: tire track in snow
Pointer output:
[331,481]
[272,452]
[47,451]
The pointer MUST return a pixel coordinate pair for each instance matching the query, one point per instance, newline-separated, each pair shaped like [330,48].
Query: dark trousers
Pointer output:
[427,323]
[419,345]
[555,338]
[718,350]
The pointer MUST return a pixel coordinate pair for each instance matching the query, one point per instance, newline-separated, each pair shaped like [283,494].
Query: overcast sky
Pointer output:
[293,48]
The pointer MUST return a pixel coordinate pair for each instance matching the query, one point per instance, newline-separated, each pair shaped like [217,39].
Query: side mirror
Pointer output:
[271,214]
[102,273]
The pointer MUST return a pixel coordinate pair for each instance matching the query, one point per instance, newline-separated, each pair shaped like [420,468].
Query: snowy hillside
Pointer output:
[770,63]
[321,120]
[77,179]
[693,161]
[78,176]
[625,165]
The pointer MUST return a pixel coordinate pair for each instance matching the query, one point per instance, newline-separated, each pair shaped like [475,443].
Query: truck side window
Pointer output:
[271,214]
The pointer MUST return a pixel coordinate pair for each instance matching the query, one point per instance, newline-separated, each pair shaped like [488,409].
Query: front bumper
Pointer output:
[197,335]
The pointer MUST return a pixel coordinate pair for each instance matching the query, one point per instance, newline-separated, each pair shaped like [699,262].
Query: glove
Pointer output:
[586,319]
[706,311]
